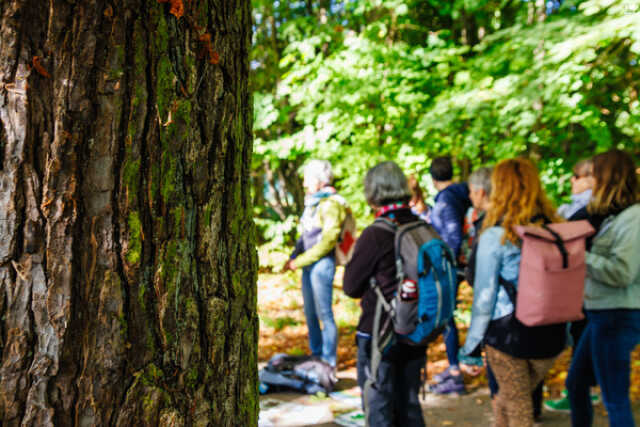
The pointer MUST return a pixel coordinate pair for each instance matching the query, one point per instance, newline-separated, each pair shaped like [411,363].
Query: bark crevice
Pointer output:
[127,263]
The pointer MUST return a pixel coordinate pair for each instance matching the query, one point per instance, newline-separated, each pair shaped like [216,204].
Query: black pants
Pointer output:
[393,401]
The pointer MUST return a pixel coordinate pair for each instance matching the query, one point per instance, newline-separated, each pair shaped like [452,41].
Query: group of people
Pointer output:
[476,219]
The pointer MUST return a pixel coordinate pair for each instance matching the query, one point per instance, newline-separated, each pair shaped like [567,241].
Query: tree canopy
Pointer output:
[359,81]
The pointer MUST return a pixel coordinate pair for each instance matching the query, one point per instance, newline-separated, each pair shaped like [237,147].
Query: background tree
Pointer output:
[407,80]
[127,259]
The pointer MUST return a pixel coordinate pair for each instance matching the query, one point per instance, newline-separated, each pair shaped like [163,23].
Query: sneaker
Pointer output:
[451,385]
[595,398]
[446,374]
[559,405]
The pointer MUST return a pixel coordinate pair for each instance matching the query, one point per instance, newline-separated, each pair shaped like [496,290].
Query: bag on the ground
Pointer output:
[306,374]
[426,261]
[552,272]
[347,238]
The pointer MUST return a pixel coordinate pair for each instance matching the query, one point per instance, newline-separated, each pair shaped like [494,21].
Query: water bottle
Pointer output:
[263,388]
[408,290]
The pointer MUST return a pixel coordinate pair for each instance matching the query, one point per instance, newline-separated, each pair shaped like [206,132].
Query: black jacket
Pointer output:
[373,256]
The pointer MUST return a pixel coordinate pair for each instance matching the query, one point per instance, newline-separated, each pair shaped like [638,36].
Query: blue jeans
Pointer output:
[451,342]
[317,292]
[603,356]
[394,397]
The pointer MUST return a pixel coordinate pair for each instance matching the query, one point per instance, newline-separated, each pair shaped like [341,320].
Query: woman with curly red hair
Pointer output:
[520,356]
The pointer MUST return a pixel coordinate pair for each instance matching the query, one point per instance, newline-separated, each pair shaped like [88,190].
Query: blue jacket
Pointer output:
[448,213]
[490,300]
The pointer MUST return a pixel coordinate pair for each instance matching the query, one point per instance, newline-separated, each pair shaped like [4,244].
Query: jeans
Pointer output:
[317,292]
[603,355]
[451,342]
[394,397]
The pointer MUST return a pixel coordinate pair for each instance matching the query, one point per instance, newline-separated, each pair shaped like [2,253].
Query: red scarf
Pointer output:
[392,207]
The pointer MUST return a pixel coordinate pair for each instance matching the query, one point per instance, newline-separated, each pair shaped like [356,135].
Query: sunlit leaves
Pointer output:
[387,79]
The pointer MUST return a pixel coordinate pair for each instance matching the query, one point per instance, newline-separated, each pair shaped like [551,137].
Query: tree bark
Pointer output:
[127,256]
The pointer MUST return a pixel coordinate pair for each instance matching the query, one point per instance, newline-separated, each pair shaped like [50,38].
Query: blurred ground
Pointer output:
[473,409]
[283,330]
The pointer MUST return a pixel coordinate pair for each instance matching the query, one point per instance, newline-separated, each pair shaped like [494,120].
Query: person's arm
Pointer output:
[361,267]
[299,248]
[331,215]
[485,290]
[619,266]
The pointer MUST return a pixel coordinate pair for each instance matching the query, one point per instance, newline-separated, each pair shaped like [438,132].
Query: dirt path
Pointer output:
[474,409]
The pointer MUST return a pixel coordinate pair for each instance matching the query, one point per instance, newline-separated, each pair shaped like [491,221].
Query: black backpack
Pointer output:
[306,374]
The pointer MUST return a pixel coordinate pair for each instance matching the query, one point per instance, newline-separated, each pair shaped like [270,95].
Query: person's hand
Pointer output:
[289,266]
[471,370]
[285,267]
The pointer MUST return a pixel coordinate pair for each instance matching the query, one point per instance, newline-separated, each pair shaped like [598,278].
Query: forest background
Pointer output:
[360,81]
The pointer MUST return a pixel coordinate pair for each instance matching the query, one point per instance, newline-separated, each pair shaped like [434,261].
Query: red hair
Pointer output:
[517,197]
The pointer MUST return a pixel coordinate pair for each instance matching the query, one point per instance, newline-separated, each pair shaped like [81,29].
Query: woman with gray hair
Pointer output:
[321,223]
[393,401]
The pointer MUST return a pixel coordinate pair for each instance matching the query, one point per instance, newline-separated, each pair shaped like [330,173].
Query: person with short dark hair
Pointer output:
[441,169]
[447,217]
[612,295]
[393,399]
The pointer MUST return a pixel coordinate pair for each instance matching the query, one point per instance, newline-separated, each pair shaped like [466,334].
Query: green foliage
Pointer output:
[279,323]
[357,82]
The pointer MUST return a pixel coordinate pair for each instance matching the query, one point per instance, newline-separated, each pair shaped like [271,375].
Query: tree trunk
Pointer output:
[127,258]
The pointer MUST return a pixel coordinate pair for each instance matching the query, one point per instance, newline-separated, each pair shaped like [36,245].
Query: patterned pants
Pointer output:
[516,378]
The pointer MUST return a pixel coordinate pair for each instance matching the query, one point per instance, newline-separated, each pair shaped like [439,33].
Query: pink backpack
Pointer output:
[552,272]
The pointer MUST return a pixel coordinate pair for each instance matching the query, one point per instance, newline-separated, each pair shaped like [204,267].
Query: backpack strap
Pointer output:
[510,288]
[541,217]
[386,224]
[560,244]
[381,337]
[557,238]
[392,226]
